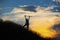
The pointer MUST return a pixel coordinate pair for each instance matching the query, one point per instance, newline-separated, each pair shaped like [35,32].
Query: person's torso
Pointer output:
[27,21]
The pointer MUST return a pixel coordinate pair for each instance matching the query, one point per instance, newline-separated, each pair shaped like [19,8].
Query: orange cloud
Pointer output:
[43,26]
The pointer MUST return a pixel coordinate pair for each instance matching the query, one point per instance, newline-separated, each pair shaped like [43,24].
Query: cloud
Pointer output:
[56,0]
[27,8]
[57,24]
[23,6]
[41,21]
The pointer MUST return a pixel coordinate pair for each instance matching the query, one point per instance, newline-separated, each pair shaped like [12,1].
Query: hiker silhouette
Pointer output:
[26,21]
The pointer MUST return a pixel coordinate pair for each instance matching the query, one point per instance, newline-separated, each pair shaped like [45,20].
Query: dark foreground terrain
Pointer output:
[13,31]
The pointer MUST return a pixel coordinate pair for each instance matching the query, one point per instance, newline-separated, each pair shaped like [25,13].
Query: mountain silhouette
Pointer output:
[17,32]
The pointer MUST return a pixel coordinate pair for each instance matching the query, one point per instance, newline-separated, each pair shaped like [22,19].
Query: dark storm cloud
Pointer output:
[29,8]
[57,27]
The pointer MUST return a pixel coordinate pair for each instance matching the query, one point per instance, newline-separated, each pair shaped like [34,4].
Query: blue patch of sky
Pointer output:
[4,4]
[15,3]
[5,9]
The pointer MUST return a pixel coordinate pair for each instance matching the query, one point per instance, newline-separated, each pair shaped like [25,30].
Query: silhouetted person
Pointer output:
[27,21]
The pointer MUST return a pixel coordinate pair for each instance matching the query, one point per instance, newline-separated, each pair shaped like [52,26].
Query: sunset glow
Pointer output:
[43,26]
[44,15]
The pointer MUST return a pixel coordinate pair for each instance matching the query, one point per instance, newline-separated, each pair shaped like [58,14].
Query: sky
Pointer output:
[44,12]
[10,4]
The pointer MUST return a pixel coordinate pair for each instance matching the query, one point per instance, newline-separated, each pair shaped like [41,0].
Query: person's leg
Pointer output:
[24,26]
[27,27]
